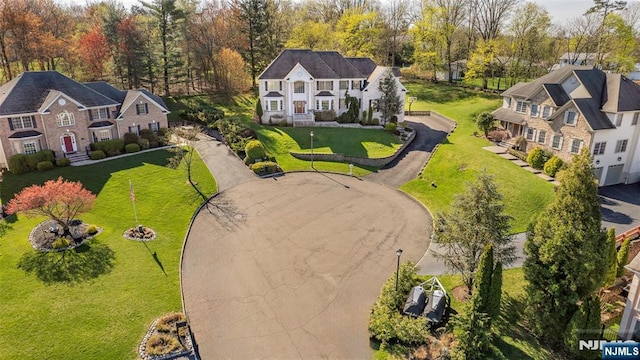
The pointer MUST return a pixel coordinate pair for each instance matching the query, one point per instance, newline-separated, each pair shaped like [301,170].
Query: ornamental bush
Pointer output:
[110,146]
[18,164]
[44,165]
[144,144]
[131,148]
[60,243]
[92,230]
[62,162]
[97,155]
[553,165]
[35,158]
[265,167]
[254,150]
[131,138]
[538,157]
[391,127]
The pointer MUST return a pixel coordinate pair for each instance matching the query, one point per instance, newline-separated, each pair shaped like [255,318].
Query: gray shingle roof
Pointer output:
[25,134]
[155,98]
[107,90]
[289,58]
[508,115]
[273,94]
[27,91]
[591,111]
[595,81]
[364,65]
[100,124]
[623,94]
[324,93]
[557,94]
[340,65]
[531,89]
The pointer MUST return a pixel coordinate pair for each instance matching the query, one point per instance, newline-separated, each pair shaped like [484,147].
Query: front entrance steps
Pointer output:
[77,156]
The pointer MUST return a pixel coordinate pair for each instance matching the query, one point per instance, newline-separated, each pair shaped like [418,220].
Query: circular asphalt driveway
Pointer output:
[289,267]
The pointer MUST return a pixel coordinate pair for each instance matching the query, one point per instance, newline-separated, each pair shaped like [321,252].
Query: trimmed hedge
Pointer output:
[265,167]
[391,126]
[254,150]
[62,162]
[144,144]
[44,165]
[18,164]
[553,165]
[97,155]
[162,132]
[35,158]
[131,148]
[130,138]
[110,146]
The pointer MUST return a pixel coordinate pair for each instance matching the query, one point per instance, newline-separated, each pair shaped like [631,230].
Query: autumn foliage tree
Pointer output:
[60,200]
[94,51]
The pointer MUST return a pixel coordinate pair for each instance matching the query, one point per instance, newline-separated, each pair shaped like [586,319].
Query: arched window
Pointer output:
[66,118]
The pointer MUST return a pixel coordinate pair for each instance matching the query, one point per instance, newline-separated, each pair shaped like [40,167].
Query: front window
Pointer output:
[274,105]
[22,122]
[521,107]
[324,105]
[134,130]
[141,109]
[99,114]
[570,117]
[576,144]
[534,110]
[298,87]
[154,127]
[29,147]
[546,112]
[598,148]
[104,135]
[325,85]
[530,134]
[344,84]
[621,146]
[556,142]
[273,85]
[66,118]
[542,136]
[618,120]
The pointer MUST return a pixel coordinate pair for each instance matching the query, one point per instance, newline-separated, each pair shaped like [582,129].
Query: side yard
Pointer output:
[460,158]
[97,301]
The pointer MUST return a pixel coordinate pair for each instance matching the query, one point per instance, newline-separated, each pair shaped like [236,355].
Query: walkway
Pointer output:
[223,163]
[502,152]
[430,131]
[288,267]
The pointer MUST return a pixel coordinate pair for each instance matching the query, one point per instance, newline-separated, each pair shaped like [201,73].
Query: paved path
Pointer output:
[223,163]
[288,268]
[430,131]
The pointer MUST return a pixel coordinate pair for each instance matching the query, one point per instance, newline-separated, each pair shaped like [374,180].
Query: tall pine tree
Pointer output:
[566,251]
[389,100]
[612,259]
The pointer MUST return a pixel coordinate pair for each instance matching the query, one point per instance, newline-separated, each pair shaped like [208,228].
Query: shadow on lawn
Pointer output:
[86,262]
[93,177]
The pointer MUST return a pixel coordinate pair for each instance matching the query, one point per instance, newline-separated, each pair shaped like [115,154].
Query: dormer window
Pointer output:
[570,117]
[66,118]
[521,107]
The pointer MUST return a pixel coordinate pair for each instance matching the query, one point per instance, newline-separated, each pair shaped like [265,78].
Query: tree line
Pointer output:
[186,46]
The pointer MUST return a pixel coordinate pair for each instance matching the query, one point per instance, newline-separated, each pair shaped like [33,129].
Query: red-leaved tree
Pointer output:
[59,199]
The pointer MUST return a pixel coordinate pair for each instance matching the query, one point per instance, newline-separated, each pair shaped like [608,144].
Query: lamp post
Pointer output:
[398,252]
[311,133]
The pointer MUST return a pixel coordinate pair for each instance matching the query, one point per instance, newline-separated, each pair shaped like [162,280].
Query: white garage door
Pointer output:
[614,173]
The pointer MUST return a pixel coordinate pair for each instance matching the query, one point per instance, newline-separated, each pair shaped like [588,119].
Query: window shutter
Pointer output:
[10,124]
[561,140]
[138,129]
[266,86]
[331,85]
[90,115]
[137,110]
[318,104]
[108,114]
[150,126]
[281,105]
[280,82]
[146,108]
[34,122]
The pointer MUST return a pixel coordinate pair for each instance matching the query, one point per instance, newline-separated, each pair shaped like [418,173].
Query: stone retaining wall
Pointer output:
[378,162]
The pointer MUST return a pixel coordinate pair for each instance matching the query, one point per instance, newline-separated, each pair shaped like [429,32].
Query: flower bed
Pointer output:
[140,233]
[49,235]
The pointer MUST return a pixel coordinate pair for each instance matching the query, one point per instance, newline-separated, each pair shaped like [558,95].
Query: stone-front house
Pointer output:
[300,83]
[46,110]
[574,107]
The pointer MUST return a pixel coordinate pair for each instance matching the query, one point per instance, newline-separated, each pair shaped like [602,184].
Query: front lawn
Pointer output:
[460,158]
[97,302]
[354,142]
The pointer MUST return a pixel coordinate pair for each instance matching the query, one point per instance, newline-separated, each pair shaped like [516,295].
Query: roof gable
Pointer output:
[133,96]
[319,64]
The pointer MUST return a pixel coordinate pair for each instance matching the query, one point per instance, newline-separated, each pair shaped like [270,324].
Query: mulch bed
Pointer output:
[48,231]
[140,233]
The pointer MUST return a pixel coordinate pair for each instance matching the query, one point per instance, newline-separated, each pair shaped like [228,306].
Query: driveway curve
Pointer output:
[289,267]
[223,164]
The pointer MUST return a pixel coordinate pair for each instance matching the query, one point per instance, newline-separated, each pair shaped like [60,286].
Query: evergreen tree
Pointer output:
[495,293]
[476,219]
[623,256]
[584,325]
[612,259]
[389,100]
[482,285]
[566,251]
[472,334]
[259,110]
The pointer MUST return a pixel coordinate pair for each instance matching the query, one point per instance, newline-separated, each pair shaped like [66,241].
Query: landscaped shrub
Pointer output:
[374,121]
[365,119]
[391,127]
[60,243]
[62,162]
[327,115]
[109,147]
[394,119]
[538,157]
[162,344]
[254,150]
[496,135]
[131,148]
[92,230]
[167,323]
[35,158]
[519,154]
[265,167]
[18,164]
[130,138]
[144,144]
[44,166]
[147,134]
[553,165]
[97,155]
[162,132]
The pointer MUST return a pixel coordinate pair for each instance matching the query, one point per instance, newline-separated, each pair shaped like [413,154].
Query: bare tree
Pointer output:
[185,139]
[396,16]
[529,29]
[578,36]
[604,8]
[490,16]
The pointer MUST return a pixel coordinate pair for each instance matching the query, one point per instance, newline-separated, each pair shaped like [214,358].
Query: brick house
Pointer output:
[46,110]
[573,107]
[301,83]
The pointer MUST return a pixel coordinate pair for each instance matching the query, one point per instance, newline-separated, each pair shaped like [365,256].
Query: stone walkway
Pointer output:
[502,152]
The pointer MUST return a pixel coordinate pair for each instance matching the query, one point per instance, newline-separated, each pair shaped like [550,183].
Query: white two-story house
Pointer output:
[573,107]
[299,84]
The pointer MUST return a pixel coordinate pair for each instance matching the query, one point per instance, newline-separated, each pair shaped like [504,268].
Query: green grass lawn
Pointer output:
[97,302]
[460,158]
[354,142]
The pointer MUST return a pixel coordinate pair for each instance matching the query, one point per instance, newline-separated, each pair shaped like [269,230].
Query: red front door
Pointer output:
[68,145]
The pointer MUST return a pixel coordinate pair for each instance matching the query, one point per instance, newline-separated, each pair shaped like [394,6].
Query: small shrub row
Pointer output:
[235,134]
[24,163]
[254,150]
[265,167]
[44,165]
[97,155]
[131,148]
[146,140]
[519,154]
[327,115]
